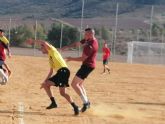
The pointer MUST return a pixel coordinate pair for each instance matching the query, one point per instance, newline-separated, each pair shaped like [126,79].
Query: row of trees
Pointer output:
[21,33]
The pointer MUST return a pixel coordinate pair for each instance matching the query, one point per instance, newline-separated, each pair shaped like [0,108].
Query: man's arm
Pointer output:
[8,69]
[109,52]
[48,76]
[82,58]
[8,50]
[39,42]
[75,44]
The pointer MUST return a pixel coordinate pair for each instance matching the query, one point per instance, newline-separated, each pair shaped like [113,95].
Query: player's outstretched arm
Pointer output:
[39,42]
[8,50]
[8,69]
[81,58]
[75,44]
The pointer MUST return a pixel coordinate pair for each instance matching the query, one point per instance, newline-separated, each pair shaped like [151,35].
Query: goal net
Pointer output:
[146,52]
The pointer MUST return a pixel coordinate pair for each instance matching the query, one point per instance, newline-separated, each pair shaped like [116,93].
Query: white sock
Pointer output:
[84,98]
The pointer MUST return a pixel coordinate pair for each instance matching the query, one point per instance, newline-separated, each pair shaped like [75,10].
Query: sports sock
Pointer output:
[73,105]
[52,99]
[84,98]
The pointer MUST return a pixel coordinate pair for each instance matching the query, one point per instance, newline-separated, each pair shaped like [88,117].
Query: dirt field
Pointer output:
[131,94]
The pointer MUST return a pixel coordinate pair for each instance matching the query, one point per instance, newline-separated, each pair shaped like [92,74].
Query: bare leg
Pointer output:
[83,89]
[79,90]
[107,67]
[3,76]
[77,85]
[69,99]
[65,95]
[104,68]
[47,86]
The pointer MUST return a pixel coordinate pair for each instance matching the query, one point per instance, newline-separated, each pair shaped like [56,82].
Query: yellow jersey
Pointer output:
[55,59]
[4,40]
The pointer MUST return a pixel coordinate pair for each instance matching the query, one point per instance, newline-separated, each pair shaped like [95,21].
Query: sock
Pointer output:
[84,99]
[108,70]
[73,105]
[52,99]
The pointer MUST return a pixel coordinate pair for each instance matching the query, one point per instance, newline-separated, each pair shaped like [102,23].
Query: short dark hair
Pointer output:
[1,30]
[90,30]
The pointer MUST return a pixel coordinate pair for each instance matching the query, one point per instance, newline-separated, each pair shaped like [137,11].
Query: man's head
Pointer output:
[89,33]
[105,44]
[1,32]
[43,49]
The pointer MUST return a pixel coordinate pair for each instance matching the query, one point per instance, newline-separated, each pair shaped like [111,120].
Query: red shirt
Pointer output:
[106,53]
[2,52]
[90,48]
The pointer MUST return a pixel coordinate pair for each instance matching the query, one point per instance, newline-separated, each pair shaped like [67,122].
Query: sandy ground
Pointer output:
[131,94]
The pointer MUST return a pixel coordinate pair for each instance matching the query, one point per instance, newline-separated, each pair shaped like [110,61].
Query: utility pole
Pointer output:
[115,33]
[81,27]
[61,36]
[151,23]
[35,38]
[10,29]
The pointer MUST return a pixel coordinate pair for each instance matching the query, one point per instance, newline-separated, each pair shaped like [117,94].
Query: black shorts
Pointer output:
[61,78]
[105,61]
[84,71]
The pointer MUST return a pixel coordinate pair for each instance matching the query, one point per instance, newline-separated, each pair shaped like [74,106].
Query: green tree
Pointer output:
[20,34]
[156,29]
[97,31]
[70,35]
[41,33]
[105,34]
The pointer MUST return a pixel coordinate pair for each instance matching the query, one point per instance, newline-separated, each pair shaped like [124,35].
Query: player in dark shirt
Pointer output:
[88,59]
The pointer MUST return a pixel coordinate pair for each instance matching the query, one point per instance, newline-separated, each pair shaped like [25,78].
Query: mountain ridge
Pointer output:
[71,8]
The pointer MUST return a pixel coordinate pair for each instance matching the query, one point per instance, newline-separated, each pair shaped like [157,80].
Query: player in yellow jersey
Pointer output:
[4,68]
[60,79]
[4,42]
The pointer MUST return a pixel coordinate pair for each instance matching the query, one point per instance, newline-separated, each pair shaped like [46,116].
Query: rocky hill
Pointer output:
[70,8]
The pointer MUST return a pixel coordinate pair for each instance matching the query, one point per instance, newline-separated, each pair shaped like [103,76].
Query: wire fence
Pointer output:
[137,26]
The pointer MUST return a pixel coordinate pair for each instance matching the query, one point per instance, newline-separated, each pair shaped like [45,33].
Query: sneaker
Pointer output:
[52,105]
[85,107]
[76,110]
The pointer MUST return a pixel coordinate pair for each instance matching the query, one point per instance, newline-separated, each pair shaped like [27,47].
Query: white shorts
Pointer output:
[3,77]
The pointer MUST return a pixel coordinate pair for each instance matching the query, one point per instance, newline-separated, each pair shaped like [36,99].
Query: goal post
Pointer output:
[146,52]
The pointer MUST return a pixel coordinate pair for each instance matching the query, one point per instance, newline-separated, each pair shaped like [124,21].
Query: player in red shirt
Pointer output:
[88,58]
[106,55]
[4,68]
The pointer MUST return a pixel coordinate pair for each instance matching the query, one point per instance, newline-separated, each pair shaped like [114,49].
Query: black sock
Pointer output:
[52,99]
[73,105]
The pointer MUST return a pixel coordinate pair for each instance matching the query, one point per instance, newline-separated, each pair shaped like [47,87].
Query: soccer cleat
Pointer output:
[76,110]
[85,106]
[51,106]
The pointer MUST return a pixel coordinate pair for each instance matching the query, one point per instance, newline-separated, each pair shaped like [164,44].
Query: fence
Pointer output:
[120,29]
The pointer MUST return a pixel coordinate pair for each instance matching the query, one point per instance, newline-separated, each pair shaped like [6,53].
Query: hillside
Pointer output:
[70,8]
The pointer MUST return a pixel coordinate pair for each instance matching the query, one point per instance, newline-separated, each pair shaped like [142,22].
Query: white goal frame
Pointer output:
[146,52]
